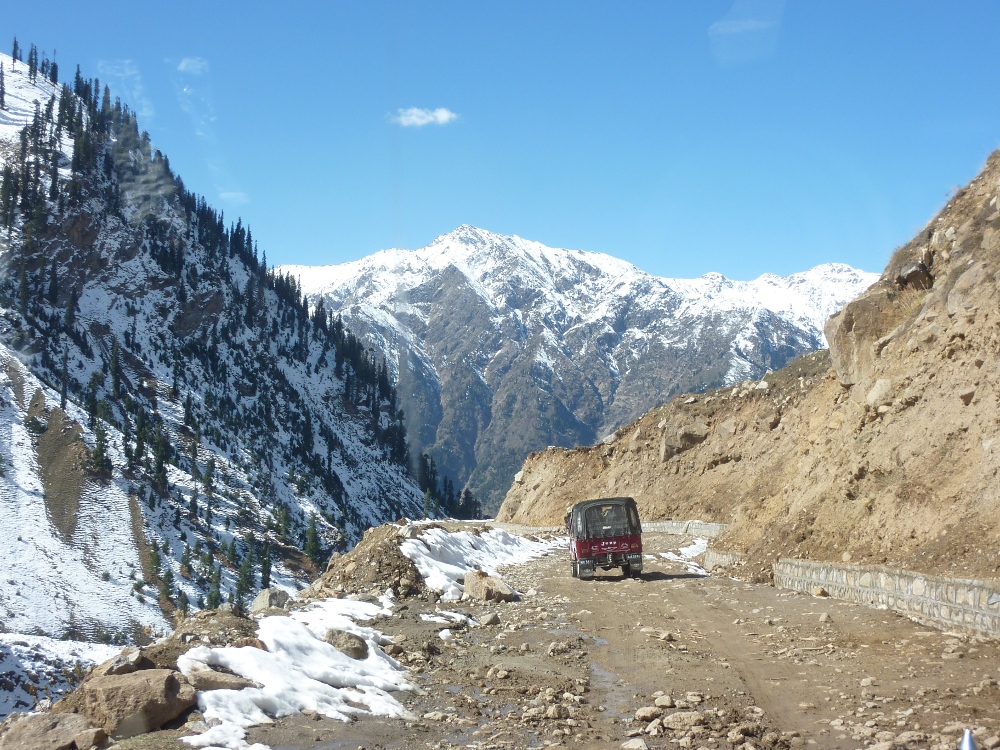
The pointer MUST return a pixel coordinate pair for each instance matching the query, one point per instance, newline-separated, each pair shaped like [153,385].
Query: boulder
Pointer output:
[648,713]
[410,531]
[333,558]
[679,440]
[961,298]
[636,743]
[209,679]
[269,599]
[683,720]
[130,704]
[914,275]
[727,429]
[880,394]
[50,731]
[487,588]
[489,620]
[347,643]
[691,434]
[128,661]
[557,711]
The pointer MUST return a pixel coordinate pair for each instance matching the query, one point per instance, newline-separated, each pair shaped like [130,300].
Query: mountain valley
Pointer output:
[225,486]
[503,346]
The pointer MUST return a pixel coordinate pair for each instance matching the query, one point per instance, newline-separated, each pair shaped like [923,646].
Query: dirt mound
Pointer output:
[372,567]
[888,457]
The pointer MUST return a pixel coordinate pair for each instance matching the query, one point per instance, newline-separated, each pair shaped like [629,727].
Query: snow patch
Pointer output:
[299,672]
[685,555]
[443,558]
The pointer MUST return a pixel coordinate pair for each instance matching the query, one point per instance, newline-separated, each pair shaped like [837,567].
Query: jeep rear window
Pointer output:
[607,520]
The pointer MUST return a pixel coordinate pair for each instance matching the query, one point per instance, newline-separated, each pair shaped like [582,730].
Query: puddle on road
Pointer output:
[616,694]
[585,636]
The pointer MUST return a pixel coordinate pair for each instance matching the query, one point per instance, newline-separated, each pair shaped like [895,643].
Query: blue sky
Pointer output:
[684,137]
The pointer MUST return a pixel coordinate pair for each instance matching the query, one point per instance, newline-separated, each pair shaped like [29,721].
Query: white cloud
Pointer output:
[125,81]
[415,117]
[234,197]
[749,31]
[193,65]
[742,26]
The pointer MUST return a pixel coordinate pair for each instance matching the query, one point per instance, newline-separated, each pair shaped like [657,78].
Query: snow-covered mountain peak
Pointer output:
[580,284]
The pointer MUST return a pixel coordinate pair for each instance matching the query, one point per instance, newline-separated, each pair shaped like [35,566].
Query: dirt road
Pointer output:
[730,664]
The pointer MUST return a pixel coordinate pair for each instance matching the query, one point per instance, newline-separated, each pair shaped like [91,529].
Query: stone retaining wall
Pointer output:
[693,528]
[955,603]
[718,559]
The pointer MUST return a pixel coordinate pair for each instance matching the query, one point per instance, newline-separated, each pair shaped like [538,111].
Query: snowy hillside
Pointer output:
[598,340]
[177,426]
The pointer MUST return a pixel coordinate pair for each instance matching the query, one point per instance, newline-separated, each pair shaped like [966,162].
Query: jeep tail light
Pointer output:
[635,546]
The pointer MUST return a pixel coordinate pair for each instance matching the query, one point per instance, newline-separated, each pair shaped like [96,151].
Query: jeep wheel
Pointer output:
[626,570]
[575,569]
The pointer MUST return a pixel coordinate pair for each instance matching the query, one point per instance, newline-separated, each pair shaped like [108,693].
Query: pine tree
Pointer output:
[193,507]
[167,584]
[209,477]
[428,503]
[182,602]
[160,448]
[65,380]
[16,54]
[100,457]
[265,566]
[115,366]
[312,546]
[22,288]
[215,589]
[70,319]
[32,63]
[3,90]
[54,284]
[244,581]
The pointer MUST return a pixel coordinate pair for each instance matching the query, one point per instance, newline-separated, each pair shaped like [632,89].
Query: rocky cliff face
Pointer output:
[504,346]
[890,455]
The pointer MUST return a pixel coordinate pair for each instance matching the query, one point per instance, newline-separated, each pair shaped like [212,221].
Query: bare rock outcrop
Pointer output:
[130,704]
[374,565]
[49,731]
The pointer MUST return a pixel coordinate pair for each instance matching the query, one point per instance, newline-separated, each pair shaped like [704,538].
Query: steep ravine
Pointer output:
[888,456]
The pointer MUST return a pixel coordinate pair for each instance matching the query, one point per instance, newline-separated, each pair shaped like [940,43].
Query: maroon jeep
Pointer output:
[605,534]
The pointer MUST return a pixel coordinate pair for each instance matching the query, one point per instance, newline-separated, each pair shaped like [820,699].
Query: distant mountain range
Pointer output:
[502,346]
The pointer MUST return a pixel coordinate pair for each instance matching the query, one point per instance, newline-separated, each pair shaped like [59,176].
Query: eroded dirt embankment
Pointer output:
[889,456]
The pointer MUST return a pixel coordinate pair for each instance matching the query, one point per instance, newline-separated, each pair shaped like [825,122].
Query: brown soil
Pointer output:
[890,457]
[765,666]
[62,461]
[372,567]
